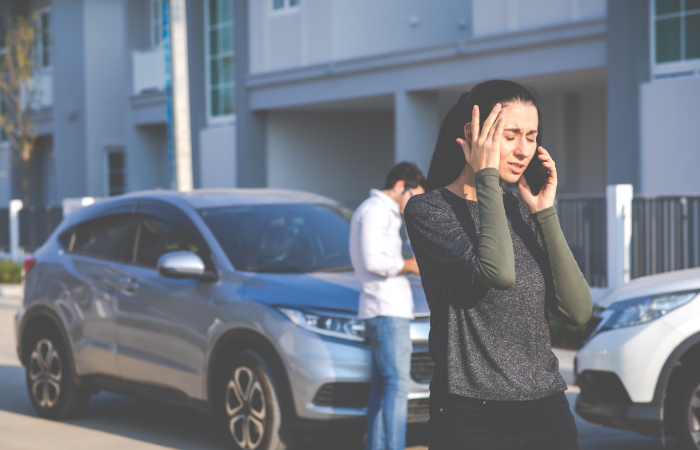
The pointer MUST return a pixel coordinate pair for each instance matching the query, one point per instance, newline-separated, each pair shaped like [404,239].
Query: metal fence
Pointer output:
[582,219]
[36,223]
[664,234]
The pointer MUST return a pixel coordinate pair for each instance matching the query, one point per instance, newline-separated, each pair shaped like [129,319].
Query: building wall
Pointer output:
[218,156]
[670,149]
[493,17]
[103,24]
[69,109]
[338,154]
[321,31]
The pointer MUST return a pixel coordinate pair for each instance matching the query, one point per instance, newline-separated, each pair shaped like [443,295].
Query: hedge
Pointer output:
[10,272]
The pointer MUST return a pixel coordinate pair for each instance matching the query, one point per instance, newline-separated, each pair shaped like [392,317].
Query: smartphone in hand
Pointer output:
[536,174]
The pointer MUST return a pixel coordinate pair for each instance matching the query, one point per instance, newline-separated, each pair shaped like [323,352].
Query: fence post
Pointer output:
[619,231]
[15,207]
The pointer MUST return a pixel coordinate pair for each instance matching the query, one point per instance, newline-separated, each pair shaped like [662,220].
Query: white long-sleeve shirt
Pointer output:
[375,251]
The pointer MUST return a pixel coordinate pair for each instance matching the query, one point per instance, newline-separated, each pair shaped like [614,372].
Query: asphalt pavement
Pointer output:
[115,422]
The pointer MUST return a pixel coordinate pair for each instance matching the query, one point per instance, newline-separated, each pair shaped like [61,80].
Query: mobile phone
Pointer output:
[536,174]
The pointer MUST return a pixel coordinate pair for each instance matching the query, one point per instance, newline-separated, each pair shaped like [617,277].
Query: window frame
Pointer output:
[108,171]
[173,215]
[122,257]
[287,7]
[223,119]
[156,22]
[40,48]
[670,70]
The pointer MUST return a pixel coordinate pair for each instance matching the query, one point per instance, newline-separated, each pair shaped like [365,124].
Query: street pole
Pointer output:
[177,93]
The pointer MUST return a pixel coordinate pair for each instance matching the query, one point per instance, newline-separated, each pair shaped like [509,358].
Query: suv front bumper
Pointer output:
[643,418]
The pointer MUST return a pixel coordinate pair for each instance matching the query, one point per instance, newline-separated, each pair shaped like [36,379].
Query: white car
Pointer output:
[639,368]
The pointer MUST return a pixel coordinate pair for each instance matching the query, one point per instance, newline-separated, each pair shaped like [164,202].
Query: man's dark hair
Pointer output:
[406,171]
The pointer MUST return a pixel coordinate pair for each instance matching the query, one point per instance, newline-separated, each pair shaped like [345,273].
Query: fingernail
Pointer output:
[498,105]
[474,108]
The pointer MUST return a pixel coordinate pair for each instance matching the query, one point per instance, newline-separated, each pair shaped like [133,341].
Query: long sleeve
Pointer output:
[440,237]
[571,300]
[496,267]
[376,255]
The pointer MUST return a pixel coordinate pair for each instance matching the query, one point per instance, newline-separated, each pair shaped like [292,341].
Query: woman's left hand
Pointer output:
[545,198]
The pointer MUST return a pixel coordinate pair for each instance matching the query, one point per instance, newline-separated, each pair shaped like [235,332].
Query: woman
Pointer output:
[492,263]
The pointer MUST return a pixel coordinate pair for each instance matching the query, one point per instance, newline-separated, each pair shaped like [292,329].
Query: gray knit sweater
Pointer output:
[490,270]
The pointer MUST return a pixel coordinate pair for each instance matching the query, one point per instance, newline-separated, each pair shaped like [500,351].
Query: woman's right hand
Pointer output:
[482,148]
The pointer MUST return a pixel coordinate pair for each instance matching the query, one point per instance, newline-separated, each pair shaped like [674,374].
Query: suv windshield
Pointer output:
[283,238]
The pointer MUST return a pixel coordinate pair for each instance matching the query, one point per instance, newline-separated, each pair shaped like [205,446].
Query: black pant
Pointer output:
[462,423]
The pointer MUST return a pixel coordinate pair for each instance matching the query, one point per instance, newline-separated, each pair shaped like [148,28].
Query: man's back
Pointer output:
[375,251]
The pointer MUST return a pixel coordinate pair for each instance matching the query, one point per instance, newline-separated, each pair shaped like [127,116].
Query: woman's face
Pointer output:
[519,142]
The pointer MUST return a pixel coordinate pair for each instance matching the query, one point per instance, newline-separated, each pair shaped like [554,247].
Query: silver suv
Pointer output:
[241,303]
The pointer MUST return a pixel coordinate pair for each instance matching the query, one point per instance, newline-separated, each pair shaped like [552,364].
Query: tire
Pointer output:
[49,379]
[254,415]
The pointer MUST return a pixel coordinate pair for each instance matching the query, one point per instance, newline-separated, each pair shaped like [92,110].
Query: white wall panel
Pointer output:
[670,148]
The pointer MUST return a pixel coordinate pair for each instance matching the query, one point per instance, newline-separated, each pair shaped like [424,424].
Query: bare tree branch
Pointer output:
[18,95]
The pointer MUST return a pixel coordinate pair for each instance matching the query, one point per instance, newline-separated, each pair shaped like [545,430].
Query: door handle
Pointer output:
[128,284]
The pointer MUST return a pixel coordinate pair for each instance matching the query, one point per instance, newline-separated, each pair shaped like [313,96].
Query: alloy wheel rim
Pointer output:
[245,405]
[45,373]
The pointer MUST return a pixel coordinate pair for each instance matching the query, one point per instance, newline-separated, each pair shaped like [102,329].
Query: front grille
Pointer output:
[343,395]
[418,410]
[422,366]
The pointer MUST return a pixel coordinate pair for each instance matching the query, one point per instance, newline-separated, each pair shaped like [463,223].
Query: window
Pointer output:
[284,5]
[156,22]
[675,37]
[44,42]
[157,237]
[102,237]
[219,59]
[116,172]
[282,238]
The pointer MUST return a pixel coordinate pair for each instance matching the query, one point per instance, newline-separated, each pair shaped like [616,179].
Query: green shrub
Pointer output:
[565,336]
[10,272]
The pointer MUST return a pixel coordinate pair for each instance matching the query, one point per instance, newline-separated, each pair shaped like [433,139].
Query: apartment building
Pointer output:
[326,95]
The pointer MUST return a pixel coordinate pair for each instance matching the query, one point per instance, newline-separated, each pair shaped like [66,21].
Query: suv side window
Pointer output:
[102,237]
[157,236]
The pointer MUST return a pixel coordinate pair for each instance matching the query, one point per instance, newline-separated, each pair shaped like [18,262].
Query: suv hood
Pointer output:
[680,280]
[323,290]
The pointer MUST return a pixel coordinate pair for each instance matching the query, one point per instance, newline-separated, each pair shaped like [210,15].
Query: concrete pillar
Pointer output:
[417,123]
[628,67]
[250,130]
[619,231]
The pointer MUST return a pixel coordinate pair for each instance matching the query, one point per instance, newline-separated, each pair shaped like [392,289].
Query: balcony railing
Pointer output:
[148,70]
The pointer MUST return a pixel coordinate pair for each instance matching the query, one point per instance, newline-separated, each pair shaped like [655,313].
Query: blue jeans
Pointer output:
[391,365]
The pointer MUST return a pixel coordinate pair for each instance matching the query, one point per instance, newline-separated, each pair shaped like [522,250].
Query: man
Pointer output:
[386,302]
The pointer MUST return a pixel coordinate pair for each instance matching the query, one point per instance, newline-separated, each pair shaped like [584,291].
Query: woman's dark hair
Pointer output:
[447,162]
[406,171]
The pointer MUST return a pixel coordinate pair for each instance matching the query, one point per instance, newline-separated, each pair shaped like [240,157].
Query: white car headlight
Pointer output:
[344,326]
[637,311]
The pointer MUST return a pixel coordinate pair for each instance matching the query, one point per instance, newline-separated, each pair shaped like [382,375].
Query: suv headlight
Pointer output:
[344,326]
[637,311]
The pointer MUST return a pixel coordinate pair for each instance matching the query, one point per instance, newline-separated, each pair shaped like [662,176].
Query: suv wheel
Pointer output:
[253,410]
[50,380]
[685,412]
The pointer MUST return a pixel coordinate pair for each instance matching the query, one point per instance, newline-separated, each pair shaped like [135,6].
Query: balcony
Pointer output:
[148,70]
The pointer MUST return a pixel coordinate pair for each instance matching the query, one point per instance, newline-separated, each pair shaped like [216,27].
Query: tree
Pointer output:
[18,94]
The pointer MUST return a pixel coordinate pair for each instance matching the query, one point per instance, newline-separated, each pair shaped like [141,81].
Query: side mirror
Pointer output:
[183,264]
